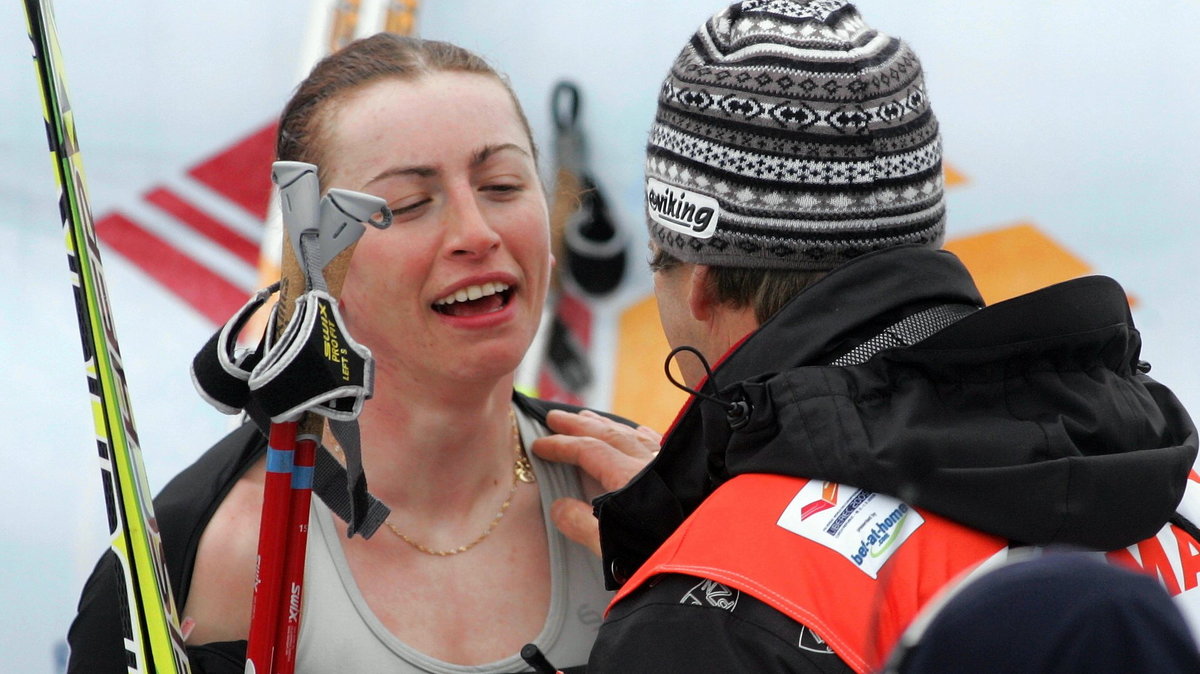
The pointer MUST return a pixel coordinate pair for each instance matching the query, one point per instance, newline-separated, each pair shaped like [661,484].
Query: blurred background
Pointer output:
[1071,148]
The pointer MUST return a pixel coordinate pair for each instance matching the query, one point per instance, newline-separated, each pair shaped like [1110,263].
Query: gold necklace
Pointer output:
[522,472]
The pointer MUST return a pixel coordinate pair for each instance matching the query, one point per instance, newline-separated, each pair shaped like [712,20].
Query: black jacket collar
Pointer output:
[851,304]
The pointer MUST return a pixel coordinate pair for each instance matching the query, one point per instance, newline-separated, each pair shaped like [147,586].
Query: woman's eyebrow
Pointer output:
[396,171]
[421,171]
[482,154]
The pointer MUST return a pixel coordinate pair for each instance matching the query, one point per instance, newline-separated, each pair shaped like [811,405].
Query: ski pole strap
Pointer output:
[315,367]
[221,371]
[222,375]
[344,490]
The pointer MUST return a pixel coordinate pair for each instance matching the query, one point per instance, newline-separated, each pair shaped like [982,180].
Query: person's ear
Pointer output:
[701,296]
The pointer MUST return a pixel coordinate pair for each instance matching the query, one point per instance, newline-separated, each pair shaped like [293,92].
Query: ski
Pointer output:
[153,641]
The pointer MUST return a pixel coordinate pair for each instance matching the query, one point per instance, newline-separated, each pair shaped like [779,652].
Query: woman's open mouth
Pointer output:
[475,300]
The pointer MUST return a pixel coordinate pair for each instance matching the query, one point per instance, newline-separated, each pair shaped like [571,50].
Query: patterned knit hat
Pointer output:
[790,135]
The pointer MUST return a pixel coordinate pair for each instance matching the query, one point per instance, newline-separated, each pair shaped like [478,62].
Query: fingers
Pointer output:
[637,442]
[606,451]
[575,520]
[609,452]
[607,465]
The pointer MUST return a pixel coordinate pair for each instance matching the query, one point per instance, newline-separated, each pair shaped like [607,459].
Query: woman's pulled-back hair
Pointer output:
[384,55]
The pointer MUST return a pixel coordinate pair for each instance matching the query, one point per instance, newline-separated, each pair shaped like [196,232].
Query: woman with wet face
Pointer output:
[467,568]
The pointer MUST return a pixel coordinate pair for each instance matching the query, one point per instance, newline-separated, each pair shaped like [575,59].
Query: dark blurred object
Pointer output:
[1061,612]
[592,245]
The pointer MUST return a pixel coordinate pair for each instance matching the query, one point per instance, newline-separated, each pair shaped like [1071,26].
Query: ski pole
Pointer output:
[153,642]
[591,253]
[299,201]
[339,226]
[271,546]
[336,378]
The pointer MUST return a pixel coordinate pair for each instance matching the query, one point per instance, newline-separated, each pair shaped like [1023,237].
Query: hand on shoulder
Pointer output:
[608,452]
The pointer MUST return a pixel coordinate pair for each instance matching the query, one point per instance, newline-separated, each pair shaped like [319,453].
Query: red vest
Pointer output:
[858,606]
[828,544]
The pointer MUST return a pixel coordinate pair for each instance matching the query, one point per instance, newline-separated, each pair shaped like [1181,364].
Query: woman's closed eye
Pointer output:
[409,206]
[503,189]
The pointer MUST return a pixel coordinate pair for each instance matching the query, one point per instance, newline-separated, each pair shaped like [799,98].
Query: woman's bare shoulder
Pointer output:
[222,583]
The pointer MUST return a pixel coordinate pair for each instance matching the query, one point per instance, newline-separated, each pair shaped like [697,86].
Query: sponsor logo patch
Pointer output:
[809,641]
[711,593]
[682,210]
[862,526]
[828,499]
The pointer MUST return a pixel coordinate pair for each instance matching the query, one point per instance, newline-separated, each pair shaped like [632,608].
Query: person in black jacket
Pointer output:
[448,300]
[862,428]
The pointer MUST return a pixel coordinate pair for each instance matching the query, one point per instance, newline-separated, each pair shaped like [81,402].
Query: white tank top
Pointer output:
[340,633]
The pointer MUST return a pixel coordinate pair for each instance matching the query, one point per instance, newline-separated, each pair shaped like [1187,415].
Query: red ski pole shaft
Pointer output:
[272,539]
[287,622]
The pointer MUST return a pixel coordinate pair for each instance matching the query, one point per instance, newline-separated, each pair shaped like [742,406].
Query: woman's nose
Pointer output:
[468,232]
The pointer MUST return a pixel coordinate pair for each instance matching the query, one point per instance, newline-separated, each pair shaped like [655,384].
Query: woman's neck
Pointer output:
[430,451]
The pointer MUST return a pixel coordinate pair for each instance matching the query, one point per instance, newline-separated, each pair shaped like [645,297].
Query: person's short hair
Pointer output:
[763,290]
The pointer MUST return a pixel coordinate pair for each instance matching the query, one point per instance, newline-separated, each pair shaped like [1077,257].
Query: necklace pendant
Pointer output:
[524,470]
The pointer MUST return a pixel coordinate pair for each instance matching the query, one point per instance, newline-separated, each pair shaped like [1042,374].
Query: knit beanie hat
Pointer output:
[791,135]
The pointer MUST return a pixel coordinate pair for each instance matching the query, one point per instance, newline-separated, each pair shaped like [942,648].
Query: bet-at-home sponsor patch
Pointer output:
[862,526]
